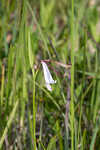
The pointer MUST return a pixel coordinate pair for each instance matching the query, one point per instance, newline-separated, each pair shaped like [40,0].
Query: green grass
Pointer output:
[63,32]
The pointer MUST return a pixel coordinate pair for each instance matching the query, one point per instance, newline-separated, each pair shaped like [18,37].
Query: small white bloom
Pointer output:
[47,75]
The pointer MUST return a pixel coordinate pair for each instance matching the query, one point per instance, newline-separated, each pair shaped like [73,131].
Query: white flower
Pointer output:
[47,75]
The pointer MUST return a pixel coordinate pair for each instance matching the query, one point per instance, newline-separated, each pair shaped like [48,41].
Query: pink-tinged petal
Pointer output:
[48,87]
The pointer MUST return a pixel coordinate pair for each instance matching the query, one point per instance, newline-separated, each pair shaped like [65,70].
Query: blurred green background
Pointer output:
[67,34]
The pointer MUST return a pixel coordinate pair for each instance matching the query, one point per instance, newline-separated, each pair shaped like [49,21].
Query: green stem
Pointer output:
[34,111]
[72,77]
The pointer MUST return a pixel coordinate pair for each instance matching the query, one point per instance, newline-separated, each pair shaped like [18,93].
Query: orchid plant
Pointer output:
[47,75]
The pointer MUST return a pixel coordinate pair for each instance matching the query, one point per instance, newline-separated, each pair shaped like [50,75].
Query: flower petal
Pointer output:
[48,87]
[47,74]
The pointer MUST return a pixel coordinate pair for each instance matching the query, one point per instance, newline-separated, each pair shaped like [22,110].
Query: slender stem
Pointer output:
[2,85]
[31,60]
[34,111]
[72,77]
